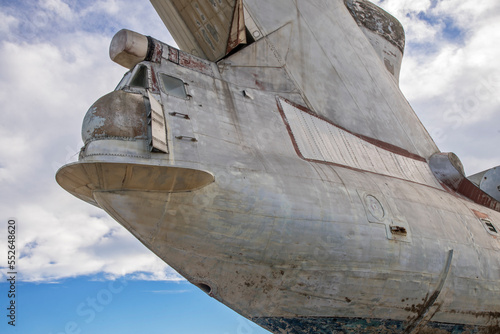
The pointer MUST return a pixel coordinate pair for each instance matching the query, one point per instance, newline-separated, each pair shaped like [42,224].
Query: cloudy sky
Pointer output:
[54,65]
[451,74]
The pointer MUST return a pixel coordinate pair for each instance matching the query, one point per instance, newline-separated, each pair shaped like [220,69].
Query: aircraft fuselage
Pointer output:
[280,213]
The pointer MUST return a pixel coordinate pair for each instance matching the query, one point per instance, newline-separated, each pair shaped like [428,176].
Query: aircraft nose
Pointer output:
[117,115]
[117,156]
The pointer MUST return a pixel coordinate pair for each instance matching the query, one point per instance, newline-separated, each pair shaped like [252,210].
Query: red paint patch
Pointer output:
[154,83]
[173,55]
[157,52]
[480,215]
[194,63]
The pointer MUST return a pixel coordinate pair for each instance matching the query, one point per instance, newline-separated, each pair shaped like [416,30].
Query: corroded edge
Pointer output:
[324,325]
[377,20]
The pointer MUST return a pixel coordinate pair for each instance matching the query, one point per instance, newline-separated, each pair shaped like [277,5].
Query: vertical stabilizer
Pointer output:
[343,56]
[208,29]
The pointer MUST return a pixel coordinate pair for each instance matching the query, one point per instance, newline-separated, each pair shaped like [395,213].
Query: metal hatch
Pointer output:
[158,129]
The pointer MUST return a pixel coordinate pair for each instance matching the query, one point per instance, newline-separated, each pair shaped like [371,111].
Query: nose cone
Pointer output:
[117,115]
[116,156]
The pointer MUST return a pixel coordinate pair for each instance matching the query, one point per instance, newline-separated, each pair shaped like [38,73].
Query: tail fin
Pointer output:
[342,55]
[208,29]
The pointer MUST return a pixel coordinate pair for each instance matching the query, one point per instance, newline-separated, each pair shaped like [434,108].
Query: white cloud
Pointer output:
[40,90]
[58,236]
[451,76]
[47,83]
[6,22]
[468,13]
[417,31]
[400,7]
[111,7]
[58,7]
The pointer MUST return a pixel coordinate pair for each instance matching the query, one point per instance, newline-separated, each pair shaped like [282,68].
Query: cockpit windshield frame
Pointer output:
[131,81]
[123,82]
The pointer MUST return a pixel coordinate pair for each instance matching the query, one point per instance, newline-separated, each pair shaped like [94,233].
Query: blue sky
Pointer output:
[121,306]
[55,64]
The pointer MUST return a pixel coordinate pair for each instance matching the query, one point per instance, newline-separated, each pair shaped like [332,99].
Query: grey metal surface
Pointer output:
[158,127]
[488,181]
[321,141]
[379,28]
[199,27]
[312,215]
[328,60]
[449,170]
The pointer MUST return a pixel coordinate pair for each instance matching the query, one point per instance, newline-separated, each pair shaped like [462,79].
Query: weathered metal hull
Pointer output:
[289,261]
[294,186]
[288,242]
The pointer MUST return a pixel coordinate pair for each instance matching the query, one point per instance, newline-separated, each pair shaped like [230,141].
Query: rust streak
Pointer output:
[189,61]
[173,55]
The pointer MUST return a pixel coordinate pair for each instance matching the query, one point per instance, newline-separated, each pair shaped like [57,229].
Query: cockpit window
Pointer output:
[173,86]
[140,78]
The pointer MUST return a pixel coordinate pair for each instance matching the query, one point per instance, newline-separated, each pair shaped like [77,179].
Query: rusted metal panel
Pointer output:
[488,181]
[198,27]
[471,191]
[155,50]
[208,29]
[237,34]
[195,63]
[154,85]
[428,308]
[377,20]
[189,61]
[106,119]
[173,55]
[449,170]
[158,127]
[177,27]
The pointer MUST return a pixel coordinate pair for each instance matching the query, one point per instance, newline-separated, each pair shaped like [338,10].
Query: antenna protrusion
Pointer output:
[128,48]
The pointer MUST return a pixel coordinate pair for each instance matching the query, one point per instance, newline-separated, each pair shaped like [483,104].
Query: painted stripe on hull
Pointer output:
[360,326]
